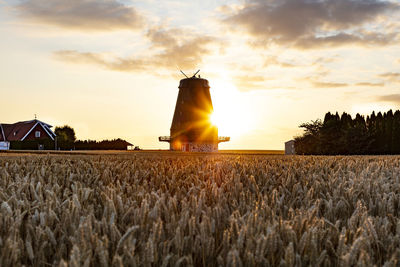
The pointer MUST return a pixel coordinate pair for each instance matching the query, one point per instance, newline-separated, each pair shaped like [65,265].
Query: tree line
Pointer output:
[66,140]
[343,135]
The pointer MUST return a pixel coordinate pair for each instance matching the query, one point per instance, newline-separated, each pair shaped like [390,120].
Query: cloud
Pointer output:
[369,84]
[84,15]
[274,61]
[317,84]
[247,83]
[391,76]
[224,9]
[394,98]
[324,60]
[116,63]
[315,23]
[173,49]
[361,39]
[180,49]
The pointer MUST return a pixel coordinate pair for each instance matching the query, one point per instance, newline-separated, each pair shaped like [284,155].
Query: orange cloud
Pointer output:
[318,84]
[393,98]
[173,49]
[369,84]
[308,24]
[83,15]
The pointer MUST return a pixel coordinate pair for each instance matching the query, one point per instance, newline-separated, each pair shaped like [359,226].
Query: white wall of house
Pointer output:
[4,145]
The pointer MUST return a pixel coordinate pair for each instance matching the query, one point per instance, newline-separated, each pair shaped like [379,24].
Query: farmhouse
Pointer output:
[34,132]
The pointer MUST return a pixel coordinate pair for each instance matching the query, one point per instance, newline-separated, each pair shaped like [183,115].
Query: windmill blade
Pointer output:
[184,74]
[194,75]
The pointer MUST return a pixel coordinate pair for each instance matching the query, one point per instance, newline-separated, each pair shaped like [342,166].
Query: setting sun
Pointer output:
[214,119]
[229,116]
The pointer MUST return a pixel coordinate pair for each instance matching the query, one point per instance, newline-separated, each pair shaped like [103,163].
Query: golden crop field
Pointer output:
[149,209]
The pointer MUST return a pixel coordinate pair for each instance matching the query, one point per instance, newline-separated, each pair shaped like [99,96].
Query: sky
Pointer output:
[110,68]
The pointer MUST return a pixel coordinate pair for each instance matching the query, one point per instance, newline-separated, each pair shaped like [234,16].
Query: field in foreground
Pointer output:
[203,210]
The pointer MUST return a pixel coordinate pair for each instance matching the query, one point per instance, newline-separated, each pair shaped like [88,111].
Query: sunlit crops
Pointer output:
[176,210]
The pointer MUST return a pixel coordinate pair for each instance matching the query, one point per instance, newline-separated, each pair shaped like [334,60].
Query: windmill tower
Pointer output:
[191,129]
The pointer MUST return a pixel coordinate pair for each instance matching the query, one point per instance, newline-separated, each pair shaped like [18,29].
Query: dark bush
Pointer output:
[32,145]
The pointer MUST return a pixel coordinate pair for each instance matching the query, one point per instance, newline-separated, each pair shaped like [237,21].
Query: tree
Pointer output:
[65,133]
[309,142]
[396,133]
[65,137]
[312,127]
[330,134]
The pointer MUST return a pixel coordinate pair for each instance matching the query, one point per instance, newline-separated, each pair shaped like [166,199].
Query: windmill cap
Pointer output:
[193,82]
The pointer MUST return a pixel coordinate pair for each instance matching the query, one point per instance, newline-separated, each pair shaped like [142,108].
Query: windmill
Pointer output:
[191,129]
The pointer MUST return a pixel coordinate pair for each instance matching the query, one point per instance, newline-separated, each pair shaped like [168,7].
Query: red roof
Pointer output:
[18,131]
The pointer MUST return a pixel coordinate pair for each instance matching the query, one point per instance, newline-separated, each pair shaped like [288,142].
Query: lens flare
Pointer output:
[233,113]
[214,119]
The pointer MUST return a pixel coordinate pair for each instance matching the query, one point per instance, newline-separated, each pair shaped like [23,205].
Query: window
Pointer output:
[37,134]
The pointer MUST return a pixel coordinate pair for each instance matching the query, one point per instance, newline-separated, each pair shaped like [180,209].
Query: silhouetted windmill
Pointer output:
[191,129]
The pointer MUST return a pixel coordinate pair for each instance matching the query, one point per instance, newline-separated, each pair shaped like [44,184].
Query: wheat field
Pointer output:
[201,210]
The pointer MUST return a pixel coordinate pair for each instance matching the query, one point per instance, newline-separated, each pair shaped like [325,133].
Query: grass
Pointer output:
[176,209]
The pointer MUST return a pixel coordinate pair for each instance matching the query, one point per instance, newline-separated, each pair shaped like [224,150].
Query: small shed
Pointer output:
[289,148]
